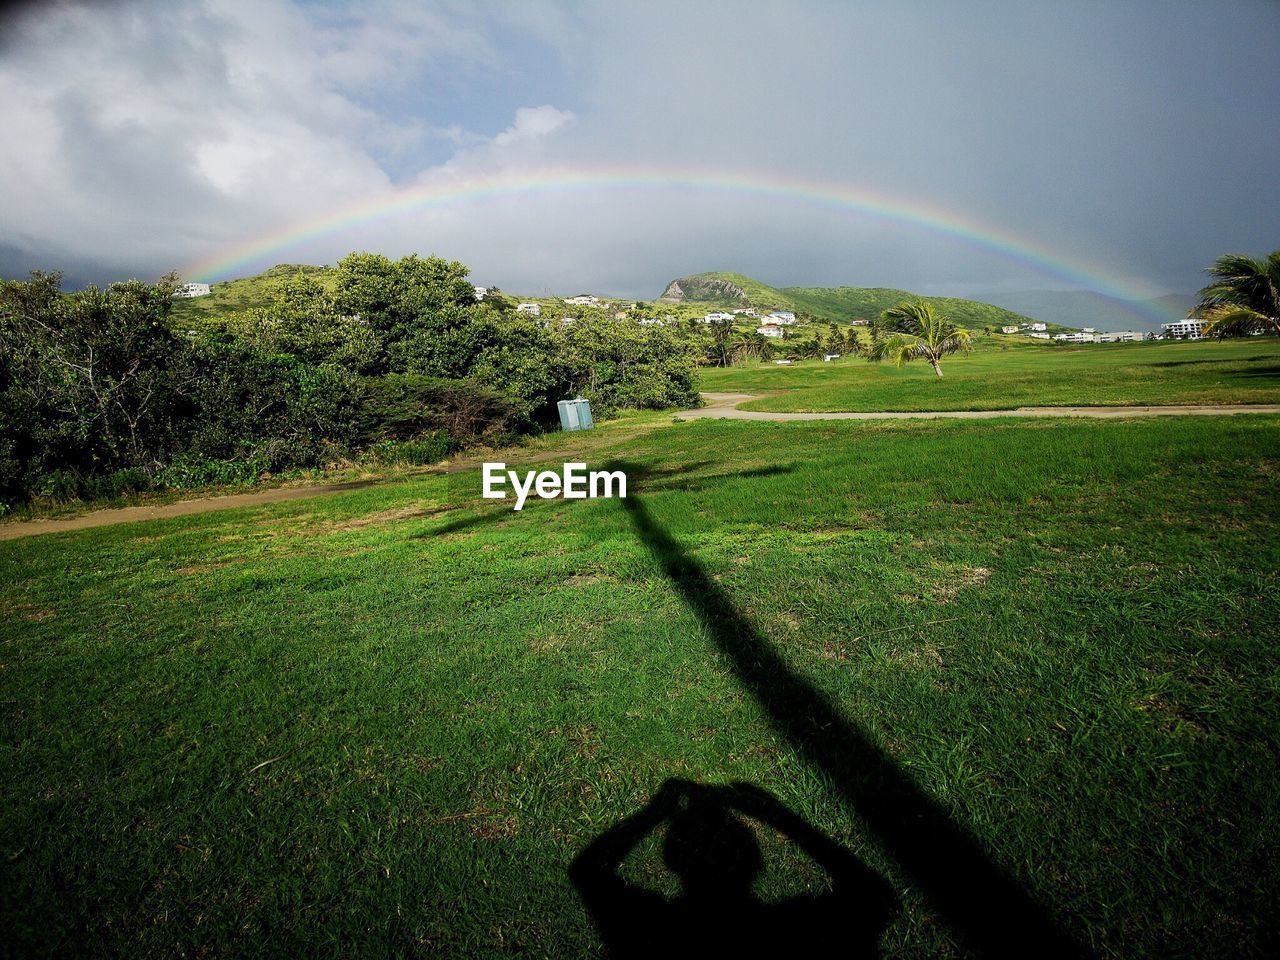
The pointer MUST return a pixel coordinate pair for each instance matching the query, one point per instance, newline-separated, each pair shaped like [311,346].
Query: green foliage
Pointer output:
[427,449]
[321,364]
[1244,297]
[913,330]
[303,319]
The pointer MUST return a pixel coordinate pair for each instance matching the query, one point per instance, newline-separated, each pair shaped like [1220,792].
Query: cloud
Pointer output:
[148,134]
[532,123]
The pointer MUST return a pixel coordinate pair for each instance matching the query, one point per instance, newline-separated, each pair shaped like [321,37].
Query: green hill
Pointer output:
[229,296]
[838,304]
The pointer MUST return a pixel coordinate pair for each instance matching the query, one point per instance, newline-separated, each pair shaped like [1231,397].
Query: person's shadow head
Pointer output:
[710,845]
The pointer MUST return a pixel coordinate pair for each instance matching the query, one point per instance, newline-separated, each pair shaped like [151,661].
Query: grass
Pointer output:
[1025,671]
[1232,371]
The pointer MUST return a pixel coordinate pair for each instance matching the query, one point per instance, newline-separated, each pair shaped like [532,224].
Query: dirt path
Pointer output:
[720,405]
[725,405]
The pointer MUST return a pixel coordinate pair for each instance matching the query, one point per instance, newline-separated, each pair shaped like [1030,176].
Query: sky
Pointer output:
[560,147]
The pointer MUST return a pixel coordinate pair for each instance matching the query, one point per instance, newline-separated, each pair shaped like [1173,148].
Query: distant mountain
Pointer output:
[839,304]
[1082,308]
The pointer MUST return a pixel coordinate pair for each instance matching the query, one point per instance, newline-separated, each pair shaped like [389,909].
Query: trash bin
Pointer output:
[575,414]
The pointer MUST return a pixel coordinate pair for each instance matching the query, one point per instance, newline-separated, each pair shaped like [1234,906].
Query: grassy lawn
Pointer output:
[1233,371]
[1025,672]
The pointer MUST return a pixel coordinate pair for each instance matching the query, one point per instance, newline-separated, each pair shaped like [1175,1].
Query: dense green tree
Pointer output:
[303,320]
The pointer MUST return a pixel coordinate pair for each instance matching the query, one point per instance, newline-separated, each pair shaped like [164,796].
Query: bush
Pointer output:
[191,472]
[59,486]
[112,486]
[422,451]
[406,406]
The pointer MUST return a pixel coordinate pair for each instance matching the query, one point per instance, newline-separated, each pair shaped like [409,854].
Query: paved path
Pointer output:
[725,406]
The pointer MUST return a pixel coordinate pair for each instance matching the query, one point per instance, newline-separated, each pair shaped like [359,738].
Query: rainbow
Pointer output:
[256,252]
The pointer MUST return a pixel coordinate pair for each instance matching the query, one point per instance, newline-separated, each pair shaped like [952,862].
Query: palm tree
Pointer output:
[915,331]
[1244,296]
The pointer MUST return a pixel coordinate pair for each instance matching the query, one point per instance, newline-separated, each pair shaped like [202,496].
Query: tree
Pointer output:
[1244,297]
[915,331]
[303,320]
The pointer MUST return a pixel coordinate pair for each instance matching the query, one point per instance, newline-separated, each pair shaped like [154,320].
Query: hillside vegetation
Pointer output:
[244,293]
[828,304]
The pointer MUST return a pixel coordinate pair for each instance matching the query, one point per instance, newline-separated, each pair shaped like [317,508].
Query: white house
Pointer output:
[769,330]
[1009,329]
[1186,329]
[1039,327]
[745,312]
[584,300]
[1039,336]
[650,322]
[480,292]
[783,317]
[188,290]
[532,309]
[1121,336]
[718,315]
[1088,329]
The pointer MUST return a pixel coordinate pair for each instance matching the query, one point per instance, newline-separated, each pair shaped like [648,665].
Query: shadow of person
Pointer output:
[710,846]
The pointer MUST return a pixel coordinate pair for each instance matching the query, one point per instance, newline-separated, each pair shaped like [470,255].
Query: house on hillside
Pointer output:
[745,312]
[480,292]
[188,290]
[769,330]
[583,300]
[532,309]
[784,317]
[1039,327]
[1009,328]
[718,315]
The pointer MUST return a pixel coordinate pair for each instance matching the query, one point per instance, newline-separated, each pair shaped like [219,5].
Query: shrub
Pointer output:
[428,449]
[115,485]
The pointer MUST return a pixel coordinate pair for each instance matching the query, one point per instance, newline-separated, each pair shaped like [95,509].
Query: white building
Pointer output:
[650,322]
[1013,328]
[769,330]
[1088,330]
[1039,336]
[745,312]
[1039,327]
[1188,328]
[188,290]
[828,357]
[718,315]
[784,317]
[584,300]
[532,309]
[480,292]
[1121,336]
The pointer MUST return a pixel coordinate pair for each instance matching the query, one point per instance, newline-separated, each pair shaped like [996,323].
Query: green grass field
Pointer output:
[1026,672]
[991,378]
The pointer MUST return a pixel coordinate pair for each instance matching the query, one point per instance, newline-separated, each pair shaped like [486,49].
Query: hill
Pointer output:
[228,296]
[835,304]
